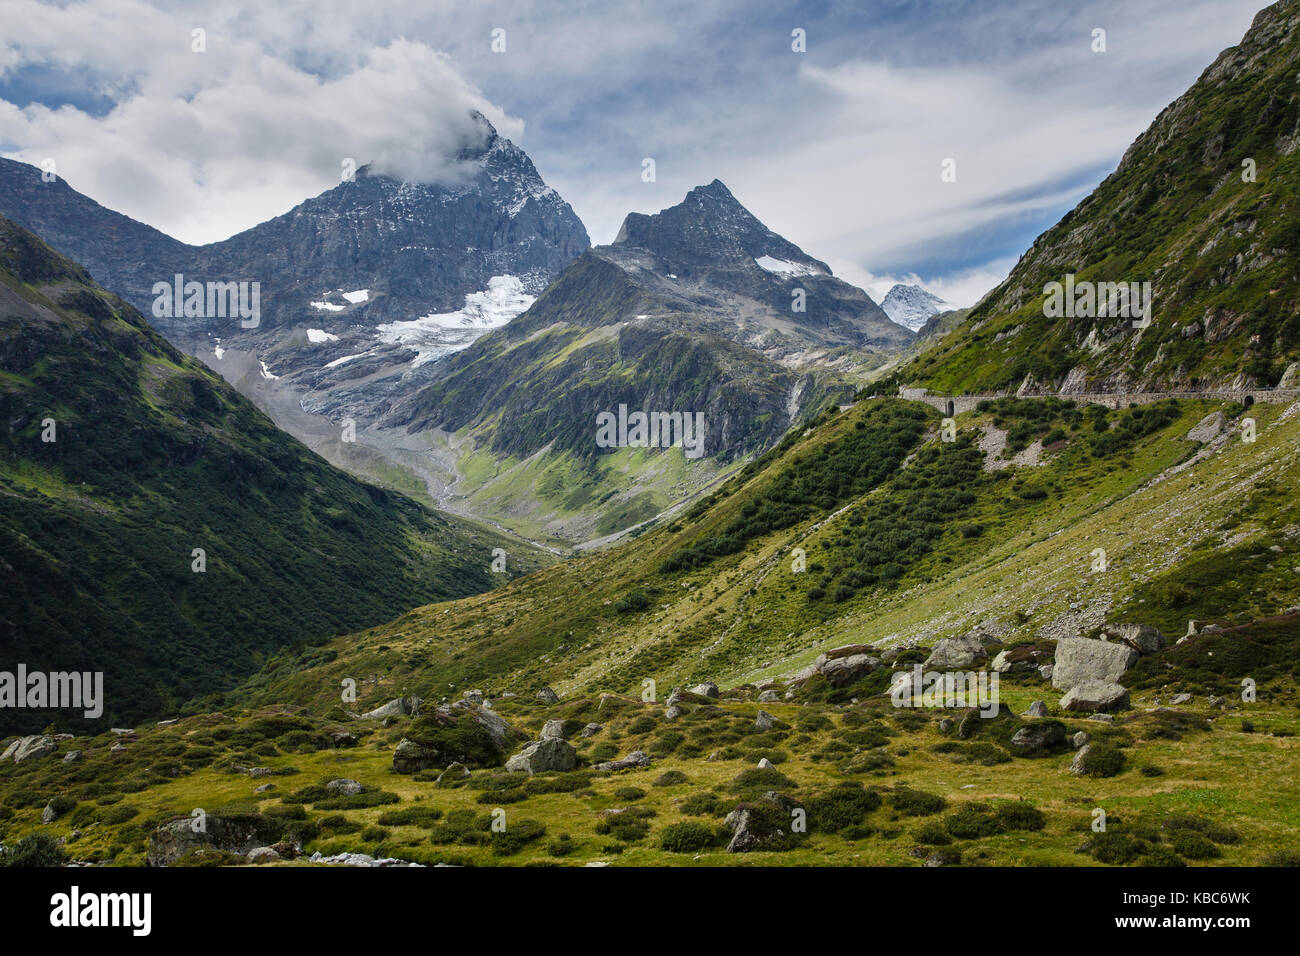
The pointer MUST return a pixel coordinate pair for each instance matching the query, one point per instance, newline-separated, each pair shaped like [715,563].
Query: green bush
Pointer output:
[1102,760]
[844,805]
[36,849]
[688,836]
[915,803]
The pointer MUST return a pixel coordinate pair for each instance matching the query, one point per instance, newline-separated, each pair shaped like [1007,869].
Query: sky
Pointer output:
[841,147]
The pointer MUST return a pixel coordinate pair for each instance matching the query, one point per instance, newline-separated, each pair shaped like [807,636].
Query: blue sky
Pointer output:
[838,148]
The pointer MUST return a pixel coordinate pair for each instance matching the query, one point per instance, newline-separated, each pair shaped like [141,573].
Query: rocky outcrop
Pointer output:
[1140,637]
[35,746]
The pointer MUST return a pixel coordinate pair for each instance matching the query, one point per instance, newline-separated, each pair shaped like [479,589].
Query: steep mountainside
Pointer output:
[1205,206]
[690,311]
[361,288]
[912,306]
[121,459]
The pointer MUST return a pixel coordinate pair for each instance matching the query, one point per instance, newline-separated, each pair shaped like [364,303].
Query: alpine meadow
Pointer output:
[375,493]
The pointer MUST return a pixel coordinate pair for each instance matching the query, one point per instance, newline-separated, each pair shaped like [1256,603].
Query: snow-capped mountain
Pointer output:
[911,306]
[362,288]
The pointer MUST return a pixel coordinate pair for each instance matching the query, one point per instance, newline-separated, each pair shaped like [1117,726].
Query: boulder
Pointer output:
[49,814]
[410,757]
[72,756]
[1024,661]
[548,696]
[764,763]
[396,707]
[1046,671]
[262,854]
[707,689]
[591,730]
[1140,637]
[12,748]
[544,756]
[1079,739]
[1038,736]
[1080,659]
[673,711]
[503,735]
[1095,696]
[1077,765]
[344,787]
[765,721]
[957,653]
[763,825]
[37,745]
[842,671]
[767,696]
[553,730]
[235,834]
[1180,699]
[343,739]
[635,759]
[1037,709]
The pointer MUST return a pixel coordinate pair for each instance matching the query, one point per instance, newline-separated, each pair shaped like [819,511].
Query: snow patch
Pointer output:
[783,267]
[266,372]
[328,306]
[360,295]
[317,336]
[437,334]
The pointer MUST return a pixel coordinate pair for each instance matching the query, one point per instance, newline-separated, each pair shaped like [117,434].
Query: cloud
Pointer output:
[203,145]
[961,288]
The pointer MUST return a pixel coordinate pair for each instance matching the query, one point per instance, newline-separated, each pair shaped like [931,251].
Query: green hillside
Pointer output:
[152,457]
[1205,205]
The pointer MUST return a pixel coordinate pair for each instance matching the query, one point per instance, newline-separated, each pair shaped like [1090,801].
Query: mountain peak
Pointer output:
[710,226]
[911,306]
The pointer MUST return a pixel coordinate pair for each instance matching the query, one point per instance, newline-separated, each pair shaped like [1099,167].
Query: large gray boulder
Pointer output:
[957,653]
[502,733]
[707,689]
[544,756]
[1095,696]
[553,730]
[344,787]
[1038,736]
[1080,659]
[396,707]
[38,745]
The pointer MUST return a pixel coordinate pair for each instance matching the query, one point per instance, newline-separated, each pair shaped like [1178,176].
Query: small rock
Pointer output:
[636,758]
[764,764]
[548,696]
[344,787]
[1179,699]
[262,854]
[765,721]
[543,756]
[1037,709]
[591,730]
[1079,739]
[707,689]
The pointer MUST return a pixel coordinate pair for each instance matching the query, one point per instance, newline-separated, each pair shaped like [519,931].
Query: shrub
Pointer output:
[1160,855]
[688,836]
[844,805]
[916,803]
[932,834]
[629,794]
[761,779]
[1102,760]
[516,836]
[562,845]
[406,816]
[670,778]
[37,849]
[701,805]
[1193,845]
[1116,848]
